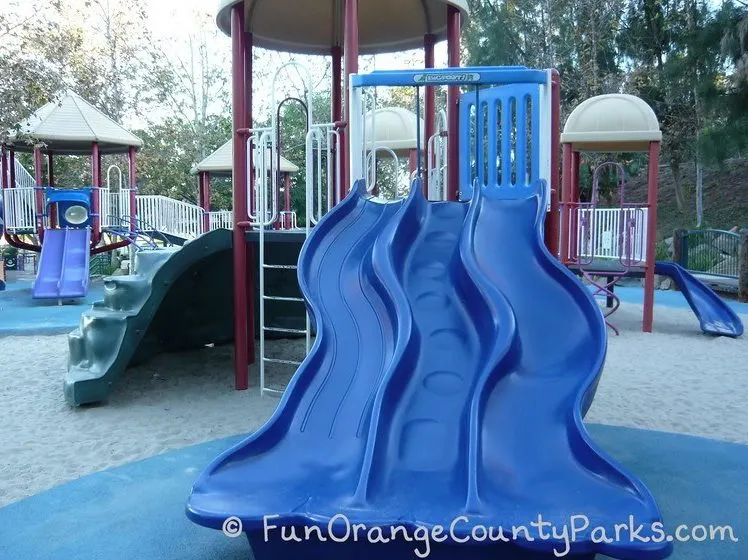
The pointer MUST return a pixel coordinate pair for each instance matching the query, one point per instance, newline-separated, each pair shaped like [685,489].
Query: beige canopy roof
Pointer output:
[221,162]
[393,128]
[70,126]
[314,26]
[612,123]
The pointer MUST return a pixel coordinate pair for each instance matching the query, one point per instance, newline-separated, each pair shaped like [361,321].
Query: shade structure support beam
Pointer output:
[336,114]
[649,273]
[132,191]
[552,223]
[239,194]
[39,195]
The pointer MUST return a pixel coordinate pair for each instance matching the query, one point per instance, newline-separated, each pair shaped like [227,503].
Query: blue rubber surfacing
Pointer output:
[136,512]
[21,315]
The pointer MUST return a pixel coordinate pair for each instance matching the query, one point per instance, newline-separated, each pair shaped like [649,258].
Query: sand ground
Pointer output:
[675,379]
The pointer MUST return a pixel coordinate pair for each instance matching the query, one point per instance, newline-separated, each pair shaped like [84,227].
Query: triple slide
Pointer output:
[454,361]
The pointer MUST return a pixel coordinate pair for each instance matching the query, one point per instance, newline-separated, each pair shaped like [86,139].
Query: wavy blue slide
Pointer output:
[714,314]
[454,362]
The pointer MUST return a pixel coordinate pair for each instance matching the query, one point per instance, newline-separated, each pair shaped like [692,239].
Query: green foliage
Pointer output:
[170,151]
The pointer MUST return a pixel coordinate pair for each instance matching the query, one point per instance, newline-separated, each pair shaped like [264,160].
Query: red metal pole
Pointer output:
[50,170]
[430,109]
[649,273]
[412,161]
[53,217]
[337,113]
[453,104]
[350,49]
[239,84]
[249,123]
[96,194]
[566,207]
[203,194]
[575,199]
[552,223]
[39,195]
[133,189]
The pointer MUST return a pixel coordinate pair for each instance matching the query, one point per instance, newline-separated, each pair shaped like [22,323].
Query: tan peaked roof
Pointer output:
[613,122]
[70,126]
[221,162]
[393,128]
[314,26]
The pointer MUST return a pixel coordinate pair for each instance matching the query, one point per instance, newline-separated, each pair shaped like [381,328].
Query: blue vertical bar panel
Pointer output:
[494,98]
[520,148]
[493,105]
[506,138]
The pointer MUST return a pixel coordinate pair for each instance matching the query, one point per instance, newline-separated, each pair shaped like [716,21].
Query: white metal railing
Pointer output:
[321,162]
[437,160]
[20,209]
[24,179]
[170,216]
[221,219]
[288,219]
[604,236]
[114,206]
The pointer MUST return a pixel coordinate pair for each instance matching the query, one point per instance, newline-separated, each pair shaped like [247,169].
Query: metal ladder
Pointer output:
[320,142]
[266,162]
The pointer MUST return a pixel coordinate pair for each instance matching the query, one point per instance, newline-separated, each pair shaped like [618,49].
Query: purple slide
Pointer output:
[64,263]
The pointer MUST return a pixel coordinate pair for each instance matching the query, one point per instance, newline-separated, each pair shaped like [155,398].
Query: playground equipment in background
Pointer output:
[332,30]
[623,223]
[220,164]
[64,260]
[392,135]
[429,329]
[65,225]
[136,319]
[614,243]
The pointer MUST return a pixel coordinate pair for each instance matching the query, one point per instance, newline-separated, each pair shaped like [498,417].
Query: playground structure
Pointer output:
[65,225]
[219,164]
[437,318]
[619,242]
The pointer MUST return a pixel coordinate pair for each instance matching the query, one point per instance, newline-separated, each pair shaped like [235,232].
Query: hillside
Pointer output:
[725,197]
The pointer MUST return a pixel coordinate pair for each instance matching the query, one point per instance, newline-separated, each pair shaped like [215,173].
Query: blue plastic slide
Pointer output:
[63,265]
[715,315]
[445,391]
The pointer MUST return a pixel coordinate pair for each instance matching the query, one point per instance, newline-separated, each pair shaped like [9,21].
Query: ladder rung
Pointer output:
[277,361]
[279,298]
[280,330]
[280,266]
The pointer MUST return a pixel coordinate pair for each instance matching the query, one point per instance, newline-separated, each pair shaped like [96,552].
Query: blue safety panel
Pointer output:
[454,361]
[499,137]
[478,75]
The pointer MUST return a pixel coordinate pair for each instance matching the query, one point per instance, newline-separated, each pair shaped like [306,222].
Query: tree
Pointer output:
[168,156]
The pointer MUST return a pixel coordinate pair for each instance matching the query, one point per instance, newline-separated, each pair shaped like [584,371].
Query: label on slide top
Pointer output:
[459,77]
